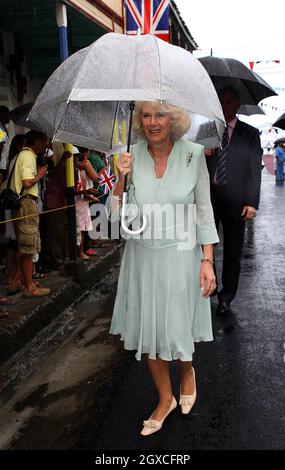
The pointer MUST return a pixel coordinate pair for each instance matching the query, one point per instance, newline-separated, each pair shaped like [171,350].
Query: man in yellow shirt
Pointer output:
[24,182]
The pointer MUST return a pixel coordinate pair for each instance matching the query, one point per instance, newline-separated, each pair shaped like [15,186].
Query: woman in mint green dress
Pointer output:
[162,305]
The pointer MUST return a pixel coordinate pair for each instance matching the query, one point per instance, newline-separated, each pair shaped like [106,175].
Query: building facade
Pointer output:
[29,39]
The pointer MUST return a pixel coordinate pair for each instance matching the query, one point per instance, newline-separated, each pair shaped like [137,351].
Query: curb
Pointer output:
[35,317]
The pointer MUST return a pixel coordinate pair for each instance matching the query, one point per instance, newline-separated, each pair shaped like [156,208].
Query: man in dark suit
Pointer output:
[234,191]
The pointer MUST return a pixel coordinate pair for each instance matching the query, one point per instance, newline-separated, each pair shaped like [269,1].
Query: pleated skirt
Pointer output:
[159,308]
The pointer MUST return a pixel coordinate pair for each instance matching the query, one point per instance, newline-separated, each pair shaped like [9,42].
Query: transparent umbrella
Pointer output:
[79,102]
[87,97]
[204,131]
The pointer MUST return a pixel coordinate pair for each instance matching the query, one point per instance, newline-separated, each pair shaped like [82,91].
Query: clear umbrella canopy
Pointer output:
[86,100]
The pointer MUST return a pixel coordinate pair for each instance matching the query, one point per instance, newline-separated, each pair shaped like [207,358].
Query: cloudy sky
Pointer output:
[247,30]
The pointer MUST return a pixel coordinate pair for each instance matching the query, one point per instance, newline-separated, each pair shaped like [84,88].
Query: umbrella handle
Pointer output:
[132,107]
[123,217]
[125,194]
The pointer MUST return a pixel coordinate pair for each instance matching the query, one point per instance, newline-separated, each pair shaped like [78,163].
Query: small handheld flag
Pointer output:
[107,179]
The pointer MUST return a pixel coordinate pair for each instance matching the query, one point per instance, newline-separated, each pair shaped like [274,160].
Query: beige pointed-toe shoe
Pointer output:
[151,426]
[187,401]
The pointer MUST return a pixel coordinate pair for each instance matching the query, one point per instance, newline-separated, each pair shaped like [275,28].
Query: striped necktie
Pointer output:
[222,159]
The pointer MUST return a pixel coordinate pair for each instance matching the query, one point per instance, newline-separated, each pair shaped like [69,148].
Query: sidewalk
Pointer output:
[28,316]
[269,162]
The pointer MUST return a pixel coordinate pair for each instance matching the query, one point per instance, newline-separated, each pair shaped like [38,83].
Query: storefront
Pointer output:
[29,39]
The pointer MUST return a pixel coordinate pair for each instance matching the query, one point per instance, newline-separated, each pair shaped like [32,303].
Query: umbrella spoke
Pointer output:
[86,100]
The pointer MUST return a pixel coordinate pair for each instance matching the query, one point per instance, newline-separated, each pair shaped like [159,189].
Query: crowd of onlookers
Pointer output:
[33,245]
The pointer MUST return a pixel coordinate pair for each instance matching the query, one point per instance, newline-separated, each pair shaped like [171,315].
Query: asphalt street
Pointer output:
[73,386]
[240,375]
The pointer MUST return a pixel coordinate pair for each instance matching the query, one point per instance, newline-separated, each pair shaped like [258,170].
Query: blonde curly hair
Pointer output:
[179,118]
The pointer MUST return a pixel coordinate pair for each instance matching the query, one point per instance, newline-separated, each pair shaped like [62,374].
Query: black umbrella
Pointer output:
[249,109]
[19,116]
[230,72]
[280,122]
[279,141]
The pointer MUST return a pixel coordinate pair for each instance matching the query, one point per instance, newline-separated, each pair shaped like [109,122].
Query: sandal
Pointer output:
[83,256]
[36,292]
[5,301]
[3,313]
[13,290]
[37,284]
[38,276]
[91,252]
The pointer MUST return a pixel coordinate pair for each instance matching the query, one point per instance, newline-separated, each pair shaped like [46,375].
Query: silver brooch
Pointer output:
[189,156]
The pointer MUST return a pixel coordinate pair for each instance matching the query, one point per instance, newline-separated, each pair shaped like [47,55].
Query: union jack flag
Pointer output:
[106,179]
[148,16]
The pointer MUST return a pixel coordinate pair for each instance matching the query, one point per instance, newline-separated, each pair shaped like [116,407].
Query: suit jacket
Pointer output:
[243,169]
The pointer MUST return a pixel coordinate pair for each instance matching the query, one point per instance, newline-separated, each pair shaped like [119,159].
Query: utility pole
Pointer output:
[61,18]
